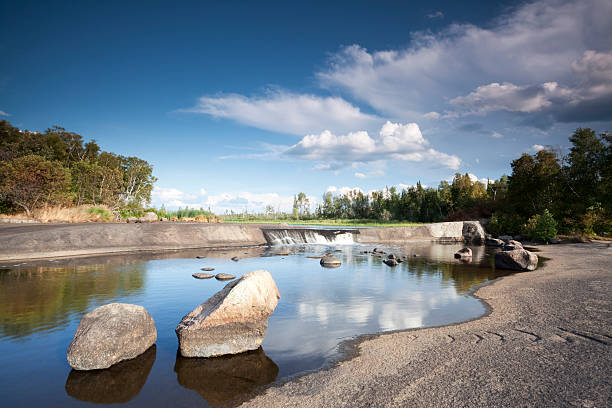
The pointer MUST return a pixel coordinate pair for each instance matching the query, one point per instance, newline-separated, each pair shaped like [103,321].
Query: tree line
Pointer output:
[575,190]
[57,167]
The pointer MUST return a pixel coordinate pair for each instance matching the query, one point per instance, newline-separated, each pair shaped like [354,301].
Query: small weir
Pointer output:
[290,236]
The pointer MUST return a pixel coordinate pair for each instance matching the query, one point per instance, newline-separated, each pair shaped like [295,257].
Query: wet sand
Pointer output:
[546,342]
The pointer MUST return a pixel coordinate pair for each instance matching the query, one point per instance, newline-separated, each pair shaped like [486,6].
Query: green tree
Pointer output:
[32,181]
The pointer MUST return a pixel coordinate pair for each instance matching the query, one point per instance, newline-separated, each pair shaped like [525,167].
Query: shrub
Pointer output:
[541,227]
[504,224]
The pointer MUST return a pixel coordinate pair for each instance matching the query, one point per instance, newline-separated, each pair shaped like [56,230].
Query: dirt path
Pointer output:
[546,343]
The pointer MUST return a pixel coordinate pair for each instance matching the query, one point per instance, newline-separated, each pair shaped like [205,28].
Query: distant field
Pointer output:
[326,222]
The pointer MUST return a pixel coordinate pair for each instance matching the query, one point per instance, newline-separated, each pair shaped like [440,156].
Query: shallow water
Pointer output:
[42,303]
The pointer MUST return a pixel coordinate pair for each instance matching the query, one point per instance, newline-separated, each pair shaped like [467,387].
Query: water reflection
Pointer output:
[228,379]
[45,297]
[119,383]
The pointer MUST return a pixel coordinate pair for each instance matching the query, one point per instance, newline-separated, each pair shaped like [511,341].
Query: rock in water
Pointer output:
[494,242]
[224,276]
[330,261]
[390,262]
[464,253]
[518,259]
[110,334]
[512,245]
[233,320]
[202,275]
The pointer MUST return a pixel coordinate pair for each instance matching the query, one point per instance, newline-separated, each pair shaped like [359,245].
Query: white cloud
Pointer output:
[496,135]
[360,175]
[395,141]
[3,113]
[342,190]
[436,14]
[170,194]
[432,115]
[203,192]
[536,43]
[287,112]
[537,147]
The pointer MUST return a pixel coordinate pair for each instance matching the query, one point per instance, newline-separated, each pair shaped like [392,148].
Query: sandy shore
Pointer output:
[546,343]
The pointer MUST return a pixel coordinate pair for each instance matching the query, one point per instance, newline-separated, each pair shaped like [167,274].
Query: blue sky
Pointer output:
[241,105]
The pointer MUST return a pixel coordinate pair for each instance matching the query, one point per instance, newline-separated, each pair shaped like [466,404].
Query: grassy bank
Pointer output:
[325,222]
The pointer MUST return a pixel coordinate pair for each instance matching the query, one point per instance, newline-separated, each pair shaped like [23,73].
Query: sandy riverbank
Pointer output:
[546,343]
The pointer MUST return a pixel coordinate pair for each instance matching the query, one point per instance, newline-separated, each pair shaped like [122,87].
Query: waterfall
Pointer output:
[290,236]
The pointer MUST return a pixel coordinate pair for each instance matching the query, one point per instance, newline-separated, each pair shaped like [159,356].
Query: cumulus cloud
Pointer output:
[588,99]
[222,202]
[342,190]
[394,141]
[526,57]
[3,113]
[286,112]
[360,175]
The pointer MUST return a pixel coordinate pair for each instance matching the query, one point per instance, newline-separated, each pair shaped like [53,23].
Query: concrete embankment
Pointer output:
[36,241]
[65,240]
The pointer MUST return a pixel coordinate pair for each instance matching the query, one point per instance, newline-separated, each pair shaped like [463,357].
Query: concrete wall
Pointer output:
[64,240]
[61,240]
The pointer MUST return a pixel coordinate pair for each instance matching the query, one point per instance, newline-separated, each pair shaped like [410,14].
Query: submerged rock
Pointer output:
[201,275]
[233,320]
[518,259]
[110,334]
[464,253]
[330,261]
[224,276]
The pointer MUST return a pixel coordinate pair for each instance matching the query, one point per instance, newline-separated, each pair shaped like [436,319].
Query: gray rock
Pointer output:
[390,262]
[505,238]
[235,259]
[473,232]
[149,216]
[110,334]
[117,384]
[330,261]
[201,275]
[464,253]
[494,242]
[233,320]
[163,219]
[207,269]
[518,259]
[224,276]
[512,245]
[131,219]
[555,241]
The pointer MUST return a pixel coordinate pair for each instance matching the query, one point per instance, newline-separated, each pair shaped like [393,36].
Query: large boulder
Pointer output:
[473,232]
[110,334]
[117,384]
[233,320]
[518,259]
